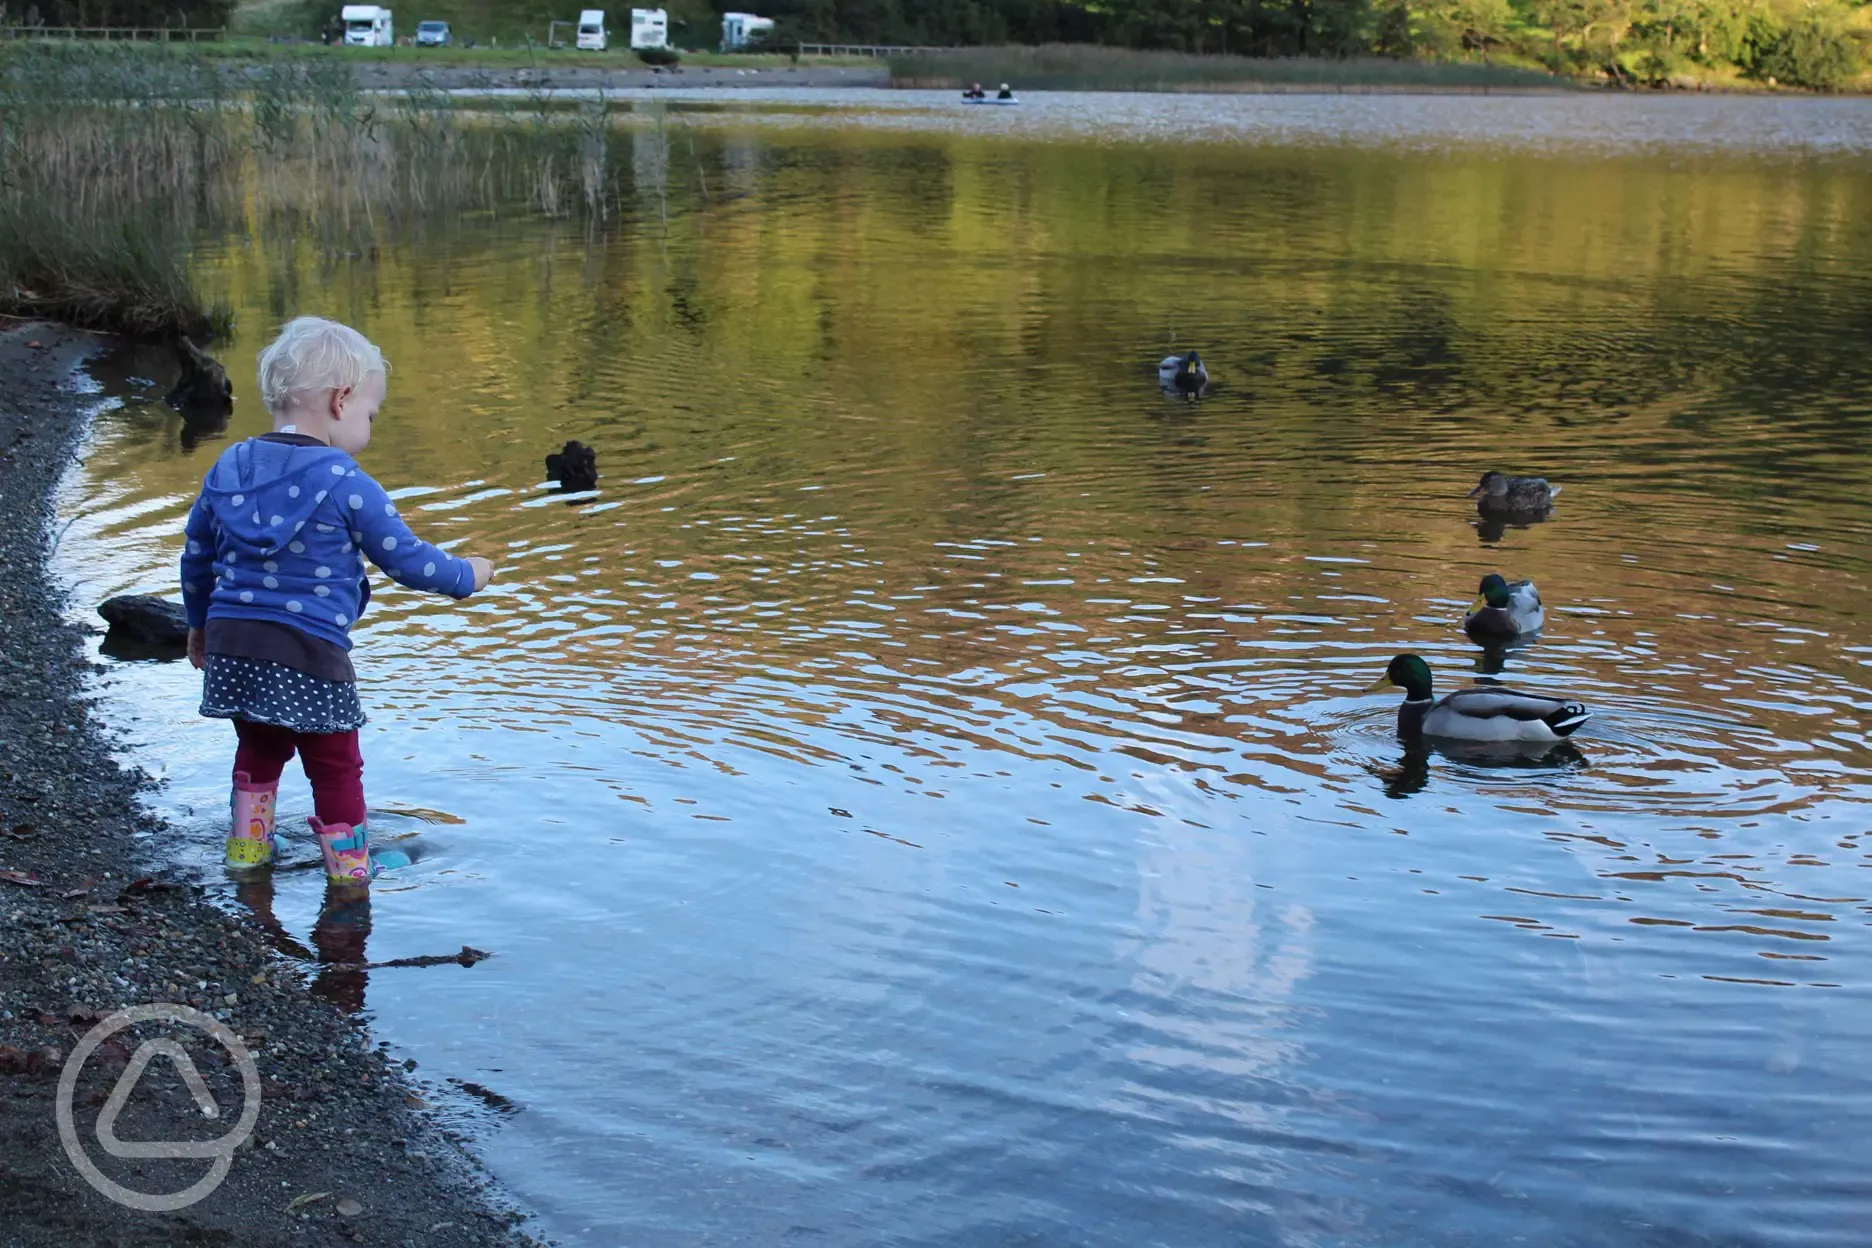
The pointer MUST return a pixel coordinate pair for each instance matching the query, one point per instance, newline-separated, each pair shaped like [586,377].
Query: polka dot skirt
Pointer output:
[272,693]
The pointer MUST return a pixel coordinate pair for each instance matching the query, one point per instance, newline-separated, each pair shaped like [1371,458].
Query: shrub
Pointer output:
[1808,54]
[658,56]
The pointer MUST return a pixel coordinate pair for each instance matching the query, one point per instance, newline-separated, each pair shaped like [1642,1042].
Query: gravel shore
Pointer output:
[341,1151]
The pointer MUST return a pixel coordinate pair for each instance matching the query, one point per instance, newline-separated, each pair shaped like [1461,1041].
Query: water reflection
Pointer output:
[932,763]
[337,956]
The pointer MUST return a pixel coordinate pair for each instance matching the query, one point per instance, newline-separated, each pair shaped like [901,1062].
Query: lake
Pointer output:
[925,797]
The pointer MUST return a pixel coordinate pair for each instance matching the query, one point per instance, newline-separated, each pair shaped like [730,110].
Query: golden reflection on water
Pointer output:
[896,535]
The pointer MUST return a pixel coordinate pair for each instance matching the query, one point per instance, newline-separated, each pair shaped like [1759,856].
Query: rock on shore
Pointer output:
[146,618]
[339,1155]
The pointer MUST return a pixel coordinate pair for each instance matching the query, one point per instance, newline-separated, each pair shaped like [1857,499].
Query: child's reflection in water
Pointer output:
[344,924]
[338,938]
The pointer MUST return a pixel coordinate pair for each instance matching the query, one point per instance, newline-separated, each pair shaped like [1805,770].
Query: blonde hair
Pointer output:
[313,354]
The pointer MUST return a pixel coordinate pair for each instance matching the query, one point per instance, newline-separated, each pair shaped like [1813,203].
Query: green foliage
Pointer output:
[153,14]
[1803,43]
[1812,53]
[658,56]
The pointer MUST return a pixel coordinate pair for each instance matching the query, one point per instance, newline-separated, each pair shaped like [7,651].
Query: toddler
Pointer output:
[273,578]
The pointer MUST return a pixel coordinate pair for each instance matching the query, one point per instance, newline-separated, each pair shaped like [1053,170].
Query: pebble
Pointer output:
[109,927]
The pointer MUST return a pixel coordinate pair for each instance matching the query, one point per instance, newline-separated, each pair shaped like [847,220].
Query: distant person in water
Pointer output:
[975,93]
[1007,92]
[273,580]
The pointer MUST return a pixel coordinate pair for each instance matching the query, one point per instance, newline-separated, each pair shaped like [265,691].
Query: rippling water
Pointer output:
[924,796]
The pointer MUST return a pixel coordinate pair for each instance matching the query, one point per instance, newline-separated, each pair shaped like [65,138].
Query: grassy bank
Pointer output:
[514,55]
[1079,67]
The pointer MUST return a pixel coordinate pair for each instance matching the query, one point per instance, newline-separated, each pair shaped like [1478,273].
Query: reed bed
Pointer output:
[114,163]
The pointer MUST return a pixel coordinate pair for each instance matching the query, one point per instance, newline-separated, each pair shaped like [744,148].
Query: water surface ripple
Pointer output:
[924,795]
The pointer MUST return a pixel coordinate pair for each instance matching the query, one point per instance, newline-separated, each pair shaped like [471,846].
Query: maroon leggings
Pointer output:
[331,760]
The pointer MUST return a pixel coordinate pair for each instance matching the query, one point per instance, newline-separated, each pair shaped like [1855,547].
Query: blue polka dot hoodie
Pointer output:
[280,532]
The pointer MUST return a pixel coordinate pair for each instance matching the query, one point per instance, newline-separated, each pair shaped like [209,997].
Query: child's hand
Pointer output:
[483,570]
[197,647]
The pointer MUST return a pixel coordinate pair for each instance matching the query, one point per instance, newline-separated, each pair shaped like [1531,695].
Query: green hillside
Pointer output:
[1821,45]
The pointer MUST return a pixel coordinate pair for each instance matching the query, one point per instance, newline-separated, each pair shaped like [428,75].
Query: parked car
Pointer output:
[649,28]
[592,35]
[433,35]
[367,26]
[742,31]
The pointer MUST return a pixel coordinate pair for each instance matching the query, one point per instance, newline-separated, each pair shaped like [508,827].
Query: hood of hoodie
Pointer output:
[263,493]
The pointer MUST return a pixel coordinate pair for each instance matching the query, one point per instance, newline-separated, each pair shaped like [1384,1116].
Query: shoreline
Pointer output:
[88,925]
[395,75]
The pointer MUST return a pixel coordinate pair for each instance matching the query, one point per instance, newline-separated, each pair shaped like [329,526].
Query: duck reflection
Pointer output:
[1411,772]
[1493,526]
[1493,658]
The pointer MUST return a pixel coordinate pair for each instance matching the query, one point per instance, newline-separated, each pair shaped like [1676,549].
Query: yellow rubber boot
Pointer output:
[250,841]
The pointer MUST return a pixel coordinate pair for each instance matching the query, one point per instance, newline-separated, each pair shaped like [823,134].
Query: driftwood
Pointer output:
[467,957]
[204,394]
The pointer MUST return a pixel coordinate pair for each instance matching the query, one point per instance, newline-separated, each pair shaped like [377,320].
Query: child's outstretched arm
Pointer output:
[198,573]
[406,558]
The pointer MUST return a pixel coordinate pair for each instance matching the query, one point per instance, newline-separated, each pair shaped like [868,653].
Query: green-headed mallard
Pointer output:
[1504,611]
[1480,713]
[1184,374]
[1519,495]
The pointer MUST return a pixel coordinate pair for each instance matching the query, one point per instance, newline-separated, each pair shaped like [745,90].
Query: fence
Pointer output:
[131,33]
[865,49]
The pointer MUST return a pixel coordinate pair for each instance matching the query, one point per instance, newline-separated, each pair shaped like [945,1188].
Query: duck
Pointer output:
[574,468]
[1504,611]
[1485,713]
[1499,492]
[1184,374]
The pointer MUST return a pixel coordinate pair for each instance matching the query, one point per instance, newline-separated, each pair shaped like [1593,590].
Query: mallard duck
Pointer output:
[1504,610]
[1502,493]
[1480,713]
[1184,374]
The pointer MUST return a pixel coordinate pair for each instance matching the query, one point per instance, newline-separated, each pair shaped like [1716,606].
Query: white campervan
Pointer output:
[591,33]
[649,28]
[740,29]
[366,26]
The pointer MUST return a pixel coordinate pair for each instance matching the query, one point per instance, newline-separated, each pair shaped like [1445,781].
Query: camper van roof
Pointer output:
[359,12]
[590,17]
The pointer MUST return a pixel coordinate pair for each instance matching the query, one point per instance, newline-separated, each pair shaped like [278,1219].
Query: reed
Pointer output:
[114,162]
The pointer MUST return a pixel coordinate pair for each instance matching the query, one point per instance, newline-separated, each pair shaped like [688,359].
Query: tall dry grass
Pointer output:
[115,162]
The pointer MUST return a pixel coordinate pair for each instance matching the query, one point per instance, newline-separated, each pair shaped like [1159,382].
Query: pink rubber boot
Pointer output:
[349,858]
[250,841]
[346,850]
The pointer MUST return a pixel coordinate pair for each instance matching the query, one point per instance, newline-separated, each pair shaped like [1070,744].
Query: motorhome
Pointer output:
[649,28]
[738,30]
[591,31]
[366,26]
